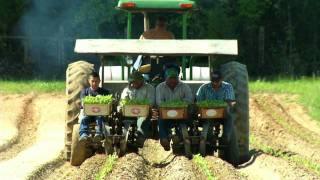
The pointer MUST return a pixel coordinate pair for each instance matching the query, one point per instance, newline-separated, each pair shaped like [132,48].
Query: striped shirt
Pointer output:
[182,92]
[146,91]
[225,92]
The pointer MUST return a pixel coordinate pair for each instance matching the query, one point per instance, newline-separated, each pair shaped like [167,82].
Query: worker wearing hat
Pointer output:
[217,89]
[172,88]
[139,89]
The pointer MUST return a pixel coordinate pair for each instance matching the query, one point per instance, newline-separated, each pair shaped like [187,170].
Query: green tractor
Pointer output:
[77,73]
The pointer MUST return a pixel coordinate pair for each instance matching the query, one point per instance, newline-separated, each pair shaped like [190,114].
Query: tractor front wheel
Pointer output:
[76,80]
[79,151]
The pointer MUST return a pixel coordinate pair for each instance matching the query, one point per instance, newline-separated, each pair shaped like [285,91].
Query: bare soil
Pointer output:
[40,137]
[27,124]
[11,112]
[265,127]
[288,135]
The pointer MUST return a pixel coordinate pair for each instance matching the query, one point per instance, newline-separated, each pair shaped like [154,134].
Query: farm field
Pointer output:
[284,143]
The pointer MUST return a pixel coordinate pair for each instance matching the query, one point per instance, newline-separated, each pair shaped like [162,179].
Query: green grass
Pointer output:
[107,168]
[28,86]
[297,159]
[202,164]
[307,88]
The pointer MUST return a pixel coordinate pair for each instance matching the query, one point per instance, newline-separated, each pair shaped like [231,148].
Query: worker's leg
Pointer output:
[164,130]
[84,127]
[99,129]
[143,130]
[228,126]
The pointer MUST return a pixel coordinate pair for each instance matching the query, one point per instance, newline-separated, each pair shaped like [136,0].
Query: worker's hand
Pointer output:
[154,114]
[119,109]
[232,103]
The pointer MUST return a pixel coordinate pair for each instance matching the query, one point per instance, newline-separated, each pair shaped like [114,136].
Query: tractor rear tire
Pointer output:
[76,79]
[79,152]
[237,74]
[231,152]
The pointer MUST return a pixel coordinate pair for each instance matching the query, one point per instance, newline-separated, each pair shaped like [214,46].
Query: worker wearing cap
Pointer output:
[172,88]
[217,89]
[139,89]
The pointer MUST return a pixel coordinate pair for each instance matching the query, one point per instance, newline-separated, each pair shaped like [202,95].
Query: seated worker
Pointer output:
[159,32]
[93,90]
[172,88]
[217,90]
[138,89]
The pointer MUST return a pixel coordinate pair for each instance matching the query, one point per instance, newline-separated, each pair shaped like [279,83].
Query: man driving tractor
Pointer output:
[159,32]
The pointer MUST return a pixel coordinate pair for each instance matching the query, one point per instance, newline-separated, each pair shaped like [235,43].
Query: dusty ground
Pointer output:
[40,136]
[283,135]
[14,110]
[32,130]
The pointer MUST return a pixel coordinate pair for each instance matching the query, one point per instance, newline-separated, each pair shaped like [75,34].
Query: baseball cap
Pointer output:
[171,72]
[216,76]
[135,76]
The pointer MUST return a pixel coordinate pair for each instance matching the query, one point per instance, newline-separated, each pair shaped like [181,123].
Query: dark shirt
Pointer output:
[89,92]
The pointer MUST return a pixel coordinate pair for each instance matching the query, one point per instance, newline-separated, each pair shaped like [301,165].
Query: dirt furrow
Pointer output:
[287,121]
[222,170]
[264,125]
[27,128]
[271,136]
[56,171]
[11,111]
[297,112]
[267,167]
[165,165]
[154,163]
[42,138]
[62,169]
[130,166]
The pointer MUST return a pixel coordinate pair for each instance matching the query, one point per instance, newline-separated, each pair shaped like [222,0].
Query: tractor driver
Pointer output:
[139,89]
[172,88]
[159,32]
[93,90]
[217,90]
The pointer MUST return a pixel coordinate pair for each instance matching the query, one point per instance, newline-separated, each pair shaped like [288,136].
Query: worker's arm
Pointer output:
[159,95]
[230,96]
[151,95]
[188,96]
[125,93]
[200,95]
